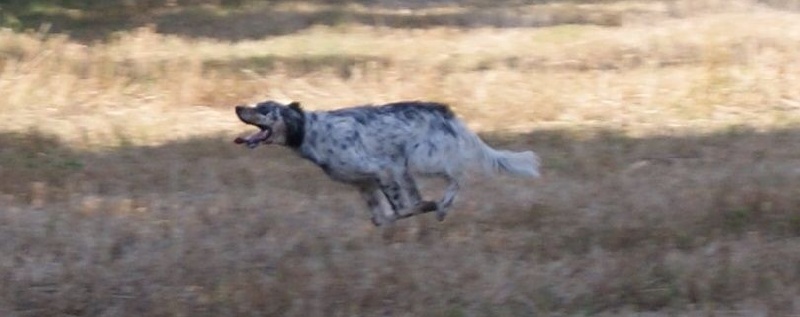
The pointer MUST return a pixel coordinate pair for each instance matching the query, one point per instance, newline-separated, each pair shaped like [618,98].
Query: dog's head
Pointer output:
[278,123]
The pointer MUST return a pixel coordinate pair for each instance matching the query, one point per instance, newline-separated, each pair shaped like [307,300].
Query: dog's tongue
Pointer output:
[259,136]
[253,139]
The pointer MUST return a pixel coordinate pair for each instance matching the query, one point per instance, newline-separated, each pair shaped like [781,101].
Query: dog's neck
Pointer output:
[307,148]
[295,119]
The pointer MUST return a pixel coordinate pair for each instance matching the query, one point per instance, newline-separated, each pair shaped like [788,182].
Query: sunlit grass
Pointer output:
[707,71]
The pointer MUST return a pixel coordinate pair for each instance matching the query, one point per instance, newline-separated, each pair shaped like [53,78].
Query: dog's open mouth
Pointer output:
[253,140]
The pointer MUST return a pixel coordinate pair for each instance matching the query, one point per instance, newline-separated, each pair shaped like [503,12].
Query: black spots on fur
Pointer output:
[442,109]
[404,110]
[339,145]
[417,147]
[410,109]
[392,193]
[353,138]
[409,115]
[344,143]
[444,125]
[271,107]
[363,117]
[265,108]
[431,149]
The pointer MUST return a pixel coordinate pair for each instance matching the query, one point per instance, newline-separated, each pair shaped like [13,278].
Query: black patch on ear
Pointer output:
[295,106]
[295,120]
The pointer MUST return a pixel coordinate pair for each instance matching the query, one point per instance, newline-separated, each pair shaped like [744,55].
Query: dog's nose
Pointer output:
[240,108]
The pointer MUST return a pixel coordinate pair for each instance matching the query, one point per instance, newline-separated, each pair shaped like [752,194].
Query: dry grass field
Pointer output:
[669,133]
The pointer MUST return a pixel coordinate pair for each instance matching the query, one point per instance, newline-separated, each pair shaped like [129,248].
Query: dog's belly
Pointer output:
[346,174]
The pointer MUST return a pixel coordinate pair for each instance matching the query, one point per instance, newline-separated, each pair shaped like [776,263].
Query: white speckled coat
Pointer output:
[380,149]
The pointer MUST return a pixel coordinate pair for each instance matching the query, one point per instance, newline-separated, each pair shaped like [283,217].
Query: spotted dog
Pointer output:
[380,150]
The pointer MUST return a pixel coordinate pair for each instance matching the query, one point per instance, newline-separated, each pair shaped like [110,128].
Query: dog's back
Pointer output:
[402,121]
[426,137]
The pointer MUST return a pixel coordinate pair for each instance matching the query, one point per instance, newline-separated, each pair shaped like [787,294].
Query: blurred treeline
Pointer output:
[24,7]
[23,14]
[99,5]
[95,14]
[83,14]
[15,13]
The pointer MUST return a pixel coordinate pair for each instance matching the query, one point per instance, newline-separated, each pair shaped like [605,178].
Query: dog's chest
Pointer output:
[340,169]
[344,164]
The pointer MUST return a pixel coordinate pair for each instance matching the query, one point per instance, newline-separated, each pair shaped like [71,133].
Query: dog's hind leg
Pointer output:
[448,199]
[400,190]
[418,206]
[372,195]
[402,194]
[415,203]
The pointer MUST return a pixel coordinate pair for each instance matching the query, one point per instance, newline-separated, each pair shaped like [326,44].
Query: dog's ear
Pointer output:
[295,106]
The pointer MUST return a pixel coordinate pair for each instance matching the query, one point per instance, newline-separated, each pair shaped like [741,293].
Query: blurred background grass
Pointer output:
[668,132]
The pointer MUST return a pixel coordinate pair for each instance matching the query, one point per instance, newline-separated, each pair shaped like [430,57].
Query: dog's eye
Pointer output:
[265,110]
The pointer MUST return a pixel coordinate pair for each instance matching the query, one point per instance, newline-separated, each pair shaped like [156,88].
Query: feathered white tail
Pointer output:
[514,163]
[494,161]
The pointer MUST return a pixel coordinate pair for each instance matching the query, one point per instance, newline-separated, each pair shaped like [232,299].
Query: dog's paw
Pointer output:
[382,221]
[426,206]
[441,214]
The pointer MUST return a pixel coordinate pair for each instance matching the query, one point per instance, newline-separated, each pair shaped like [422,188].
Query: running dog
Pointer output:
[379,150]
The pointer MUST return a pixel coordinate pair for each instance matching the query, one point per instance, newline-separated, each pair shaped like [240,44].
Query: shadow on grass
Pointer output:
[259,21]
[729,182]
[100,20]
[615,214]
[256,24]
